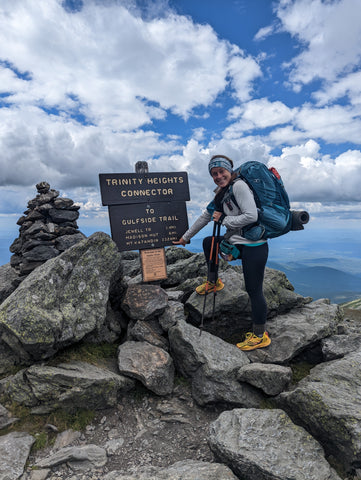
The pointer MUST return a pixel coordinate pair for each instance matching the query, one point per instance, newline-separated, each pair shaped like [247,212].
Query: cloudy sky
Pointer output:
[93,86]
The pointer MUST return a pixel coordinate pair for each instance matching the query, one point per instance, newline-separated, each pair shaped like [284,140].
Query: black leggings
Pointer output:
[254,261]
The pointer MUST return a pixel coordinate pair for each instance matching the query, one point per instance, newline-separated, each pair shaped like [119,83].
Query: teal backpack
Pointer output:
[274,215]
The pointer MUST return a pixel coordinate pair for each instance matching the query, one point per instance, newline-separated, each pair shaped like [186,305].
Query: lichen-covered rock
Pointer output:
[213,365]
[328,403]
[265,445]
[61,301]
[69,385]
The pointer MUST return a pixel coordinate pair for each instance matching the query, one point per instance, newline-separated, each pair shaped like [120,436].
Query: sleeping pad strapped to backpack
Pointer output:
[274,215]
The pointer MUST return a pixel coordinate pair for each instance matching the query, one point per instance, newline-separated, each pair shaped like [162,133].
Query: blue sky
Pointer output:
[93,86]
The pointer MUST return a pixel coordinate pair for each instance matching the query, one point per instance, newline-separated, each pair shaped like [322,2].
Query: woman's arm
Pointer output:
[201,222]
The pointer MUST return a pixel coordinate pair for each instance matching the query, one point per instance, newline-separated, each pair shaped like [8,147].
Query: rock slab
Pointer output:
[265,445]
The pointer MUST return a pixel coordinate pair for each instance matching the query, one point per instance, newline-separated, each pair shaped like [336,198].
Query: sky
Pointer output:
[94,86]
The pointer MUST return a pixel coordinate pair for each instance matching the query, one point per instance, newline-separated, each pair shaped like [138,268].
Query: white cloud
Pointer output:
[312,177]
[37,147]
[108,63]
[334,124]
[243,70]
[264,32]
[331,32]
[349,86]
[262,113]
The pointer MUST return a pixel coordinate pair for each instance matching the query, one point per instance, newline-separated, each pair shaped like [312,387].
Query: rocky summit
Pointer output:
[171,401]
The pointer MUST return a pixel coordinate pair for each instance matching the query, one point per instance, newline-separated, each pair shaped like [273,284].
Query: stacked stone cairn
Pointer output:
[47,228]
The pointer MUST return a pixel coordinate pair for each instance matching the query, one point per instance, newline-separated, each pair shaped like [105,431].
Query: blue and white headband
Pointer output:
[220,162]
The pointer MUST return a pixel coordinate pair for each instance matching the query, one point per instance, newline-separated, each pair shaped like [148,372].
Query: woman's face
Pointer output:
[221,176]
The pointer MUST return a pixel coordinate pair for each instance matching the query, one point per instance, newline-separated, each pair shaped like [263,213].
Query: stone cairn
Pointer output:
[47,228]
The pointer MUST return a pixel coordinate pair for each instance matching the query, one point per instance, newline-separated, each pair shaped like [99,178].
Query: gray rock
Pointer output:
[189,267]
[171,315]
[61,301]
[58,215]
[7,276]
[270,378]
[175,295]
[64,242]
[5,418]
[72,385]
[41,474]
[328,403]
[40,253]
[174,254]
[297,331]
[65,438]
[63,203]
[151,365]
[265,445]
[232,306]
[184,470]
[8,358]
[143,331]
[213,365]
[338,346]
[142,302]
[14,451]
[81,458]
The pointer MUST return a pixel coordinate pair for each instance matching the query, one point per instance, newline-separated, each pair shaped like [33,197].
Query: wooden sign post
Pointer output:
[147,212]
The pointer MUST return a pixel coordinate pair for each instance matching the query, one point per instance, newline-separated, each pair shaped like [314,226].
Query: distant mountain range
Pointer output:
[319,281]
[335,277]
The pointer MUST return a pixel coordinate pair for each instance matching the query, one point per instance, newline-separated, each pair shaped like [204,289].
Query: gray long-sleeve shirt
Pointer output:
[236,216]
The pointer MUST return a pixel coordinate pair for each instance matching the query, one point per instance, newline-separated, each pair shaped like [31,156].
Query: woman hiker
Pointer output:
[253,254]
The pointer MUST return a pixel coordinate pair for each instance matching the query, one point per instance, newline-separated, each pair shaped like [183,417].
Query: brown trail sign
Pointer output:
[146,211]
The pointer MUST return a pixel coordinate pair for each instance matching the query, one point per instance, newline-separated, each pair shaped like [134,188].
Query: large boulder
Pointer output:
[69,385]
[298,331]
[328,403]
[265,445]
[232,308]
[213,366]
[61,301]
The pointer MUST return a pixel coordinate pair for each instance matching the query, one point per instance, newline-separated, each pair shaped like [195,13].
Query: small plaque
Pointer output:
[154,265]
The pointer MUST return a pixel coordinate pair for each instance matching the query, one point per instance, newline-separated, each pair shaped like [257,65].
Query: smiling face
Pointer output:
[221,176]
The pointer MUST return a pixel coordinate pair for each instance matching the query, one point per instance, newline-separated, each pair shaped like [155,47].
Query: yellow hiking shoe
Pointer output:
[208,287]
[252,342]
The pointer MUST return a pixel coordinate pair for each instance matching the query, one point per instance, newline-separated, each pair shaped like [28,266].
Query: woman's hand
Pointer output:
[181,241]
[217,216]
